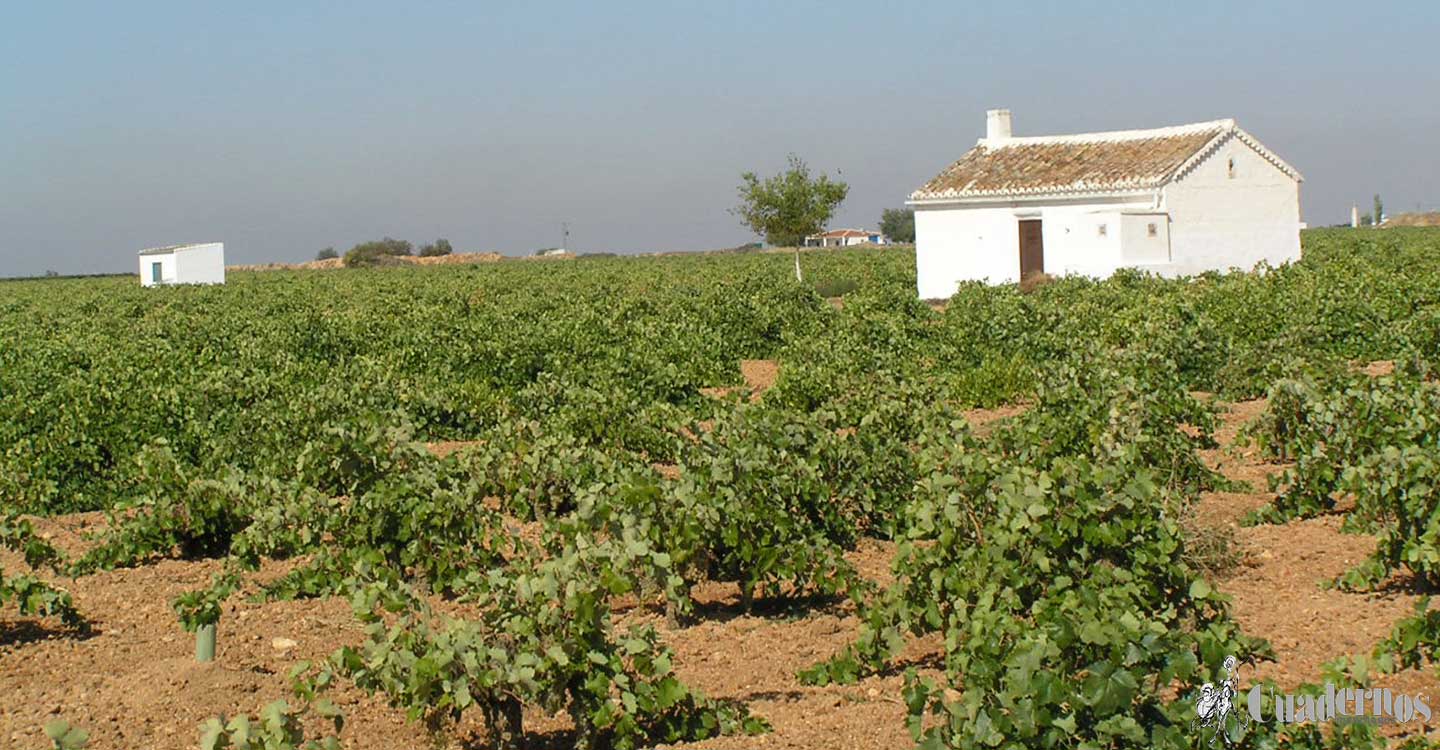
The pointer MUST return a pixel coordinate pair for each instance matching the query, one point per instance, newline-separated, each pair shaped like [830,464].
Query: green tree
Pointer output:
[375,252]
[785,208]
[898,224]
[1379,214]
[438,247]
[327,254]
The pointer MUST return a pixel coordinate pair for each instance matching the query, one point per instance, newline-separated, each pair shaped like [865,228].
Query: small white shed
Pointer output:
[183,264]
[1174,201]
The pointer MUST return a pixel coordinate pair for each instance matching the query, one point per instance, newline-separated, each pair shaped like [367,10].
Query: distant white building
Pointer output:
[1174,201]
[845,238]
[183,264]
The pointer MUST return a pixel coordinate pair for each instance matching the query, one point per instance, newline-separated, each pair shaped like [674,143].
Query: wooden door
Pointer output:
[1032,248]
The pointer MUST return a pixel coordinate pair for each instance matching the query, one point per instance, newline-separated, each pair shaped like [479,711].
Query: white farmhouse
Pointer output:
[1173,201]
[845,238]
[183,264]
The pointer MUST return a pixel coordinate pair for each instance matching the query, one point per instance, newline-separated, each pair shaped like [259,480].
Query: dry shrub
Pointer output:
[1034,280]
[1212,549]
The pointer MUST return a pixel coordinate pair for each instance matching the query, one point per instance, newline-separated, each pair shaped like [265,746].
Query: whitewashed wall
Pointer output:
[978,243]
[1140,248]
[1205,221]
[201,264]
[1219,222]
[1075,244]
[167,269]
[195,264]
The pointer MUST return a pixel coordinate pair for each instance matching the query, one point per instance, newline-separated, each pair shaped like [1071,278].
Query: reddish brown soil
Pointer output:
[984,421]
[758,374]
[134,683]
[1378,368]
[447,447]
[1277,590]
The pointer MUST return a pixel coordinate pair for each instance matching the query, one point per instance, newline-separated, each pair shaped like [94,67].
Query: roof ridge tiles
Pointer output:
[1085,163]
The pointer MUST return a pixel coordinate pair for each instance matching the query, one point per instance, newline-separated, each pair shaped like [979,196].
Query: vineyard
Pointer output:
[544,505]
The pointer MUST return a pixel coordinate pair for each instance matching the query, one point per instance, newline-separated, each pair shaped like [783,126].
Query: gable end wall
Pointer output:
[1218,222]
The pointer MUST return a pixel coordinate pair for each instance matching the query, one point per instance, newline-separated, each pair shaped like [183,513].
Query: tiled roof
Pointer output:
[1084,163]
[844,233]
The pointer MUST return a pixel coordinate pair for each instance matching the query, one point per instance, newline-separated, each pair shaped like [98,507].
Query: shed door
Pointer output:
[1032,248]
[155,272]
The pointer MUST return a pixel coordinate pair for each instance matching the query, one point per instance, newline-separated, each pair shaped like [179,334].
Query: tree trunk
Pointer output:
[747,596]
[504,718]
[587,736]
[679,606]
[675,616]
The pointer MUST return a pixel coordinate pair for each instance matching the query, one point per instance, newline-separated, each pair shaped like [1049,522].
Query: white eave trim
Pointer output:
[1249,140]
[1269,155]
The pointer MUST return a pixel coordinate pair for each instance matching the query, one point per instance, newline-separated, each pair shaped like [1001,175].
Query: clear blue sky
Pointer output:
[284,127]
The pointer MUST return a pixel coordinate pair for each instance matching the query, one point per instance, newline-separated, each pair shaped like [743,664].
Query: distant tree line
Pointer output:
[375,252]
[436,248]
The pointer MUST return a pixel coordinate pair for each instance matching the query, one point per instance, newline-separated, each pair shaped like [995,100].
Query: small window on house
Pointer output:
[1104,230]
[1152,230]
[1230,167]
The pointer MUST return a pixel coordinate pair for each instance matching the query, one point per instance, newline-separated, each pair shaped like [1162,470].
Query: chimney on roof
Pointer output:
[997,125]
